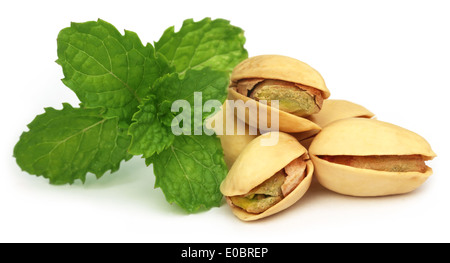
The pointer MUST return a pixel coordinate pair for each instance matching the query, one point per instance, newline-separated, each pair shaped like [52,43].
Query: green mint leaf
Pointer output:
[207,43]
[190,171]
[149,134]
[211,83]
[107,69]
[64,145]
[196,87]
[151,130]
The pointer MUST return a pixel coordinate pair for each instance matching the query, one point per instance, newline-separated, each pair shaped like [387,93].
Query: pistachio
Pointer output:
[332,110]
[299,89]
[388,163]
[265,180]
[263,196]
[233,133]
[293,98]
[367,157]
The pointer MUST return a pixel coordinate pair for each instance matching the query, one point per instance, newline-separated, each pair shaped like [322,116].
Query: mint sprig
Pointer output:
[126,89]
[64,145]
[107,69]
[190,171]
[206,43]
[149,134]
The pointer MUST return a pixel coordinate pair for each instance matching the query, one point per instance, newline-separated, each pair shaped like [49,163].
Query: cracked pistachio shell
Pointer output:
[257,163]
[363,137]
[279,68]
[332,110]
[287,122]
[233,138]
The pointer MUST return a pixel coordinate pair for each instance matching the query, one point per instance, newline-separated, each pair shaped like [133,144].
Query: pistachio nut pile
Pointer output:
[338,141]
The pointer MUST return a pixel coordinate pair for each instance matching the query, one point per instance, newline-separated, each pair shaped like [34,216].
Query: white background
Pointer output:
[393,57]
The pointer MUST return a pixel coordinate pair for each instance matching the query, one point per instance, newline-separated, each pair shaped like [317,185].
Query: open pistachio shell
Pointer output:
[257,163]
[281,68]
[287,122]
[233,138]
[332,110]
[367,137]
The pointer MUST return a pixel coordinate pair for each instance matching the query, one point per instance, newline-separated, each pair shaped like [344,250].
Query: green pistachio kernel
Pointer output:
[257,205]
[263,196]
[291,98]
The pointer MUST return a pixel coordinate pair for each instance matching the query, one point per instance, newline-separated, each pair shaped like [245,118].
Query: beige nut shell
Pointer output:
[257,163]
[332,110]
[233,138]
[281,68]
[362,137]
[287,122]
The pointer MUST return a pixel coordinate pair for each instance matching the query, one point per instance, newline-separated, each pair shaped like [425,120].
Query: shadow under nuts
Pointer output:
[265,180]
[367,157]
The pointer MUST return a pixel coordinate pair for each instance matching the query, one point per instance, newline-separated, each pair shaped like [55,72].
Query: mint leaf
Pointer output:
[149,134]
[107,69]
[207,43]
[190,171]
[196,87]
[126,87]
[64,145]
[211,83]
[151,130]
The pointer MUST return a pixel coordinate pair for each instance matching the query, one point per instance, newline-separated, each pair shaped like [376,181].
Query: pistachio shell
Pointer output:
[232,138]
[306,142]
[332,110]
[282,68]
[286,202]
[352,181]
[257,163]
[291,98]
[357,136]
[233,145]
[287,122]
[367,137]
